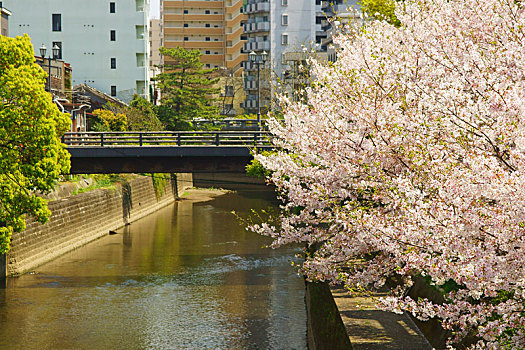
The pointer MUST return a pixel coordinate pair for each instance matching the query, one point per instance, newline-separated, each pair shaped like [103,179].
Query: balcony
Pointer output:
[257,27]
[193,17]
[194,4]
[250,104]
[193,30]
[250,85]
[256,46]
[194,44]
[255,8]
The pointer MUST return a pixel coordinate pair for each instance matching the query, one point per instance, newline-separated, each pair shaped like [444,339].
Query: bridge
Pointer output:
[163,152]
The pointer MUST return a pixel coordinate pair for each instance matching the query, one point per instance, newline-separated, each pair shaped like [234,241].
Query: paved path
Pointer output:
[370,328]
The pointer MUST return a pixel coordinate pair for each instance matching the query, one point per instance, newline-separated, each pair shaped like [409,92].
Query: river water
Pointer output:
[186,277]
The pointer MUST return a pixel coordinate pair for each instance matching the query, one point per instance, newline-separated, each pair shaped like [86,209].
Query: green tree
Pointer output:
[109,121]
[31,154]
[140,114]
[381,10]
[187,89]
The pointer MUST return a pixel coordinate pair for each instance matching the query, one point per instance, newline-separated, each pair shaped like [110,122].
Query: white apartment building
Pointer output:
[106,42]
[283,28]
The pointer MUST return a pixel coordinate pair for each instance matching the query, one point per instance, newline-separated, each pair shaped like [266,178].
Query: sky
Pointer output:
[154,9]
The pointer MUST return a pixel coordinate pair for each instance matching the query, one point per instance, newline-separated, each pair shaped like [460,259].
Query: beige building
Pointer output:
[155,42]
[58,81]
[213,27]
[4,18]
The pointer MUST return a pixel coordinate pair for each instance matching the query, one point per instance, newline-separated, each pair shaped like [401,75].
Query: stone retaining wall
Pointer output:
[326,330]
[81,218]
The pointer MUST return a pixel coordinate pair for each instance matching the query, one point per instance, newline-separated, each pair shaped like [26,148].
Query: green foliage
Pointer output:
[170,121]
[256,169]
[109,121]
[102,181]
[383,10]
[142,115]
[31,154]
[159,183]
[187,89]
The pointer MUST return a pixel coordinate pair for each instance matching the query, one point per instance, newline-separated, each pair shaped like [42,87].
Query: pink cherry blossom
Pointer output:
[407,158]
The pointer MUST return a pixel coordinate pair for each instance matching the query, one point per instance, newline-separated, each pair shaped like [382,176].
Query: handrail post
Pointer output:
[179,139]
[255,138]
[63,138]
[216,139]
[140,139]
[102,140]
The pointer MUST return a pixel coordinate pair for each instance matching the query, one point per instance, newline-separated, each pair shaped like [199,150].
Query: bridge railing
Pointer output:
[230,124]
[167,138]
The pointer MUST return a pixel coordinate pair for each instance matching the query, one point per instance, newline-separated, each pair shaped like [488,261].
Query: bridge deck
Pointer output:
[133,152]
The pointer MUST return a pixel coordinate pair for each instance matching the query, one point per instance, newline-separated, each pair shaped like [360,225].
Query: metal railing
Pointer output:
[232,124]
[167,138]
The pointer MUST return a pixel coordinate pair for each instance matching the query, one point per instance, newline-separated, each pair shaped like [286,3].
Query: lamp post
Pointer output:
[56,51]
[258,60]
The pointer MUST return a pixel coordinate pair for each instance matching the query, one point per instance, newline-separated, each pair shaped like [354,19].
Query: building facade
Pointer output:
[59,73]
[212,27]
[284,28]
[156,40]
[4,20]
[105,41]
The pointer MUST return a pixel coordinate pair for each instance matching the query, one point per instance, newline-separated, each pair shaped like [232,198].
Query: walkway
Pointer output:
[372,329]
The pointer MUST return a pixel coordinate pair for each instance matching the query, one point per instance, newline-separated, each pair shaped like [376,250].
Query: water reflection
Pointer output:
[188,277]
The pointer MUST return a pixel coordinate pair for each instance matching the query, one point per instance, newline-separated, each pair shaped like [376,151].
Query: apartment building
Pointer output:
[212,27]
[105,41]
[283,28]
[156,40]
[4,20]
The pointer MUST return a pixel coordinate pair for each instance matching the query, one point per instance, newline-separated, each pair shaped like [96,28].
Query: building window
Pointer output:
[186,38]
[111,7]
[207,25]
[284,39]
[208,52]
[284,2]
[113,63]
[207,38]
[59,45]
[284,20]
[113,90]
[185,12]
[112,35]
[207,12]
[57,22]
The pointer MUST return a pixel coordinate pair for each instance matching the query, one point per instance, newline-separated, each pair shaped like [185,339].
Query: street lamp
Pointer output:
[254,59]
[56,51]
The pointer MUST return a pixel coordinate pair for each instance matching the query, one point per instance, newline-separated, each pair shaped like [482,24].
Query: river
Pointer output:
[187,277]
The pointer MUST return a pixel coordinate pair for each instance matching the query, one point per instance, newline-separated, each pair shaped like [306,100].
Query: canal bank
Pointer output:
[189,276]
[81,218]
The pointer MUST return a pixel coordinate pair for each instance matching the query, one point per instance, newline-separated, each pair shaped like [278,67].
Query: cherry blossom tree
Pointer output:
[406,159]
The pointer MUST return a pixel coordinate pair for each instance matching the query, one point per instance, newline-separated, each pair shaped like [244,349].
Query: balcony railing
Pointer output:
[259,7]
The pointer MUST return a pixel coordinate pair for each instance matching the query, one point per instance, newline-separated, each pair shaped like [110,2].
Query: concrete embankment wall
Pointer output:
[326,330]
[79,219]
